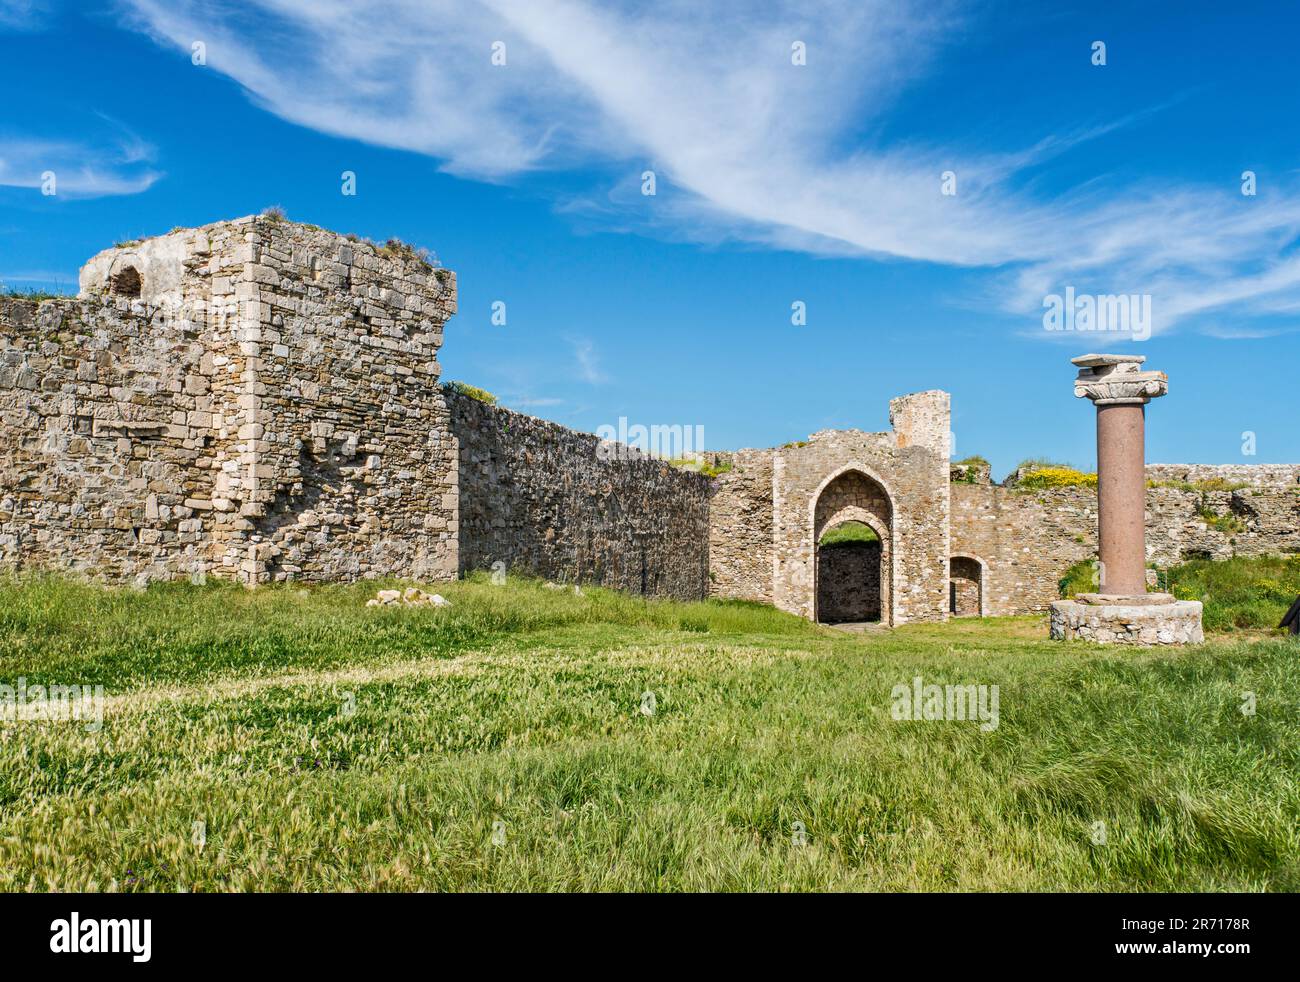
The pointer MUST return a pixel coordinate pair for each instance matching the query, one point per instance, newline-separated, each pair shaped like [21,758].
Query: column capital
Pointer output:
[1117,380]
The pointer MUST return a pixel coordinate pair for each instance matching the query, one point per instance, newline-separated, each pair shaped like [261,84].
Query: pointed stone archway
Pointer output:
[899,484]
[853,495]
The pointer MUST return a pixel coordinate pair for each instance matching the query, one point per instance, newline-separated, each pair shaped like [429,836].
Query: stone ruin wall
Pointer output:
[906,502]
[355,467]
[1256,475]
[263,404]
[740,528]
[101,442]
[964,578]
[545,500]
[258,400]
[1029,538]
[542,499]
[260,404]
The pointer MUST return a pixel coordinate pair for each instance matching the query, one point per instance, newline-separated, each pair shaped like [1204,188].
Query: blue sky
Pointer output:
[775,183]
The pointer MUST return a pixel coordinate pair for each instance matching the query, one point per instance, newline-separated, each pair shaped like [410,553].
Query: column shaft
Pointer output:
[1121,498]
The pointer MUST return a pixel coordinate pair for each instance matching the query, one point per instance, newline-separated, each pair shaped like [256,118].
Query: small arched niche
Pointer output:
[125,281]
[967,587]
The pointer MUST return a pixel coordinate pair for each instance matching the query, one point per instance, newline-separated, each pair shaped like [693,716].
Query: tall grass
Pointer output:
[1081,577]
[503,744]
[176,632]
[1243,592]
[1251,592]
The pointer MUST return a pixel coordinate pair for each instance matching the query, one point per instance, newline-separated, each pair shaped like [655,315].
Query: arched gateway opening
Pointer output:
[967,587]
[852,539]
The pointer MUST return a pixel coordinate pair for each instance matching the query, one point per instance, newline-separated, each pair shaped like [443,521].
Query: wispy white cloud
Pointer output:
[119,163]
[745,145]
[587,361]
[23,15]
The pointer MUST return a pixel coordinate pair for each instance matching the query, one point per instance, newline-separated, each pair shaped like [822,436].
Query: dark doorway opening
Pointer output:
[849,574]
[965,587]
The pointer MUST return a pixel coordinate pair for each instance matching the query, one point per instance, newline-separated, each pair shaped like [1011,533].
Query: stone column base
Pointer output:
[1141,624]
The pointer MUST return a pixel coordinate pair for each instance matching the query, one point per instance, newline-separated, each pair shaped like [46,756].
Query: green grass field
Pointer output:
[501,744]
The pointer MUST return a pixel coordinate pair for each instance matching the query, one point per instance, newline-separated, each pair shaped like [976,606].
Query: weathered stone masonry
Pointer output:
[541,498]
[771,509]
[1029,538]
[253,399]
[259,400]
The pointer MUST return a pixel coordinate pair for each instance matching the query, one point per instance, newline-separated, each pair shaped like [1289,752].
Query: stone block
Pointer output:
[1128,624]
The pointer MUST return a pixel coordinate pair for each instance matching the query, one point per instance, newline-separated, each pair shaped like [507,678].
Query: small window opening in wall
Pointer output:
[125,283]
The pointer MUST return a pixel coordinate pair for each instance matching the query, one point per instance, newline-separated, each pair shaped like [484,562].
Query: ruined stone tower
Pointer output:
[253,399]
